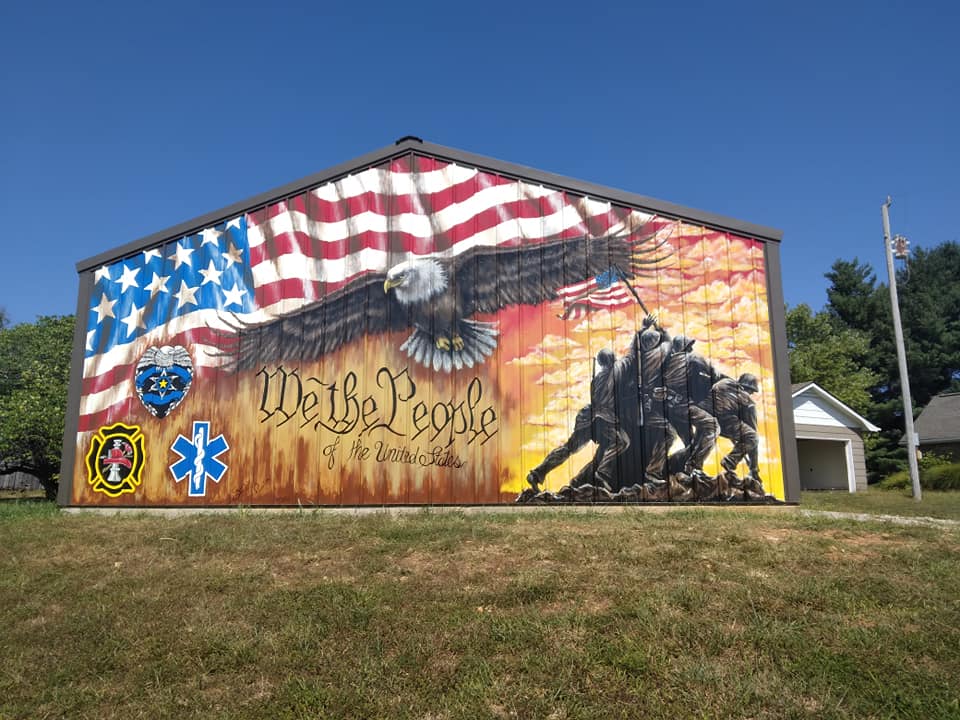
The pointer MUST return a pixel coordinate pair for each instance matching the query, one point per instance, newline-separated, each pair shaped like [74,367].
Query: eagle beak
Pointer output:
[388,283]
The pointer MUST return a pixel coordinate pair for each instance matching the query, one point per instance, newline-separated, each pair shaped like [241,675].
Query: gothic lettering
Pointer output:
[337,406]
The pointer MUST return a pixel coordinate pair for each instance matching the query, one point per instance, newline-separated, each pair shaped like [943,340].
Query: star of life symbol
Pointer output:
[199,458]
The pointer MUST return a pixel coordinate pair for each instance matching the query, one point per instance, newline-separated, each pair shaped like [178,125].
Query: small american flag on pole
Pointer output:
[606,291]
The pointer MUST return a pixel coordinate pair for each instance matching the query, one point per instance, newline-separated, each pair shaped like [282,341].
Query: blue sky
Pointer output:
[121,119]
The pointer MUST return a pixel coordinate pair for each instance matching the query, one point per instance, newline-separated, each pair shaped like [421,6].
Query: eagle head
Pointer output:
[416,281]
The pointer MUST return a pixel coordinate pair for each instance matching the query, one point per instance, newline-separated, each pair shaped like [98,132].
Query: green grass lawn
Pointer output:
[690,613]
[933,503]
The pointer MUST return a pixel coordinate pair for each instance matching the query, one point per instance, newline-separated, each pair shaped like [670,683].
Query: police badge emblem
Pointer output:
[163,379]
[115,459]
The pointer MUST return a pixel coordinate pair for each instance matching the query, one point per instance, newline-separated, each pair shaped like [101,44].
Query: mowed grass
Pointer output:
[691,613]
[875,501]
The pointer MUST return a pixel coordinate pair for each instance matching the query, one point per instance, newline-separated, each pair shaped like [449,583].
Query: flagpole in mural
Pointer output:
[636,296]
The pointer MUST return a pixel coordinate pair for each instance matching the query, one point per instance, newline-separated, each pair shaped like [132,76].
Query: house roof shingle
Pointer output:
[940,420]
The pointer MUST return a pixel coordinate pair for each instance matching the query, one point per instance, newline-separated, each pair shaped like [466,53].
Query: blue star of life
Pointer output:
[199,458]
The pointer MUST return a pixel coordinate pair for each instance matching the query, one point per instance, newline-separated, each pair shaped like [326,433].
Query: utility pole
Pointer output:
[901,355]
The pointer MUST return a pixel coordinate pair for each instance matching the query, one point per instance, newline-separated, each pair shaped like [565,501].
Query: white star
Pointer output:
[90,335]
[186,295]
[211,274]
[150,254]
[103,272]
[135,319]
[104,308]
[158,284]
[210,235]
[233,255]
[128,278]
[235,223]
[233,297]
[181,256]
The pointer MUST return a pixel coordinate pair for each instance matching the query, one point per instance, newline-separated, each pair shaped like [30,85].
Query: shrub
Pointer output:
[942,477]
[930,459]
[937,477]
[900,480]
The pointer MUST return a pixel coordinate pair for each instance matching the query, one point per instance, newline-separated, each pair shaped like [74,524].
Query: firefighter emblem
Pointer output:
[115,459]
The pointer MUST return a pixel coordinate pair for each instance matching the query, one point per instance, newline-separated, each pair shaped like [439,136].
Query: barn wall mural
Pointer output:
[421,331]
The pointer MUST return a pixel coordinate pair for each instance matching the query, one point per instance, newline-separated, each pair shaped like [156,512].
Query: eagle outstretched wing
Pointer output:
[481,280]
[359,307]
[491,278]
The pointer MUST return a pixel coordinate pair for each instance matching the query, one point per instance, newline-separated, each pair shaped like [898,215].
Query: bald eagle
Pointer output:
[436,297]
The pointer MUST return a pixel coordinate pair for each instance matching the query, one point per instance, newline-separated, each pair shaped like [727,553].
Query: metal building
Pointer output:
[423,325]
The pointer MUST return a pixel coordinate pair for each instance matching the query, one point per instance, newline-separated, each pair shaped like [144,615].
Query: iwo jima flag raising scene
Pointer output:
[425,326]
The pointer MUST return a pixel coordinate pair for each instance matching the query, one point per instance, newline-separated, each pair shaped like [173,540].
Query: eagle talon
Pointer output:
[457,343]
[443,343]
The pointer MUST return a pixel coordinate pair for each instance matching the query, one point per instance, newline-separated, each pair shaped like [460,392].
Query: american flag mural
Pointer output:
[201,296]
[275,259]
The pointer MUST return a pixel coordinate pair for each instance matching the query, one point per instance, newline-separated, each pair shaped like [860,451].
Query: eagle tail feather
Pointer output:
[421,349]
[471,356]
[479,342]
[480,337]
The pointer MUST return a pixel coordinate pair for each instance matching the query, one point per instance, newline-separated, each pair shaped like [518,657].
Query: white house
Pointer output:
[829,440]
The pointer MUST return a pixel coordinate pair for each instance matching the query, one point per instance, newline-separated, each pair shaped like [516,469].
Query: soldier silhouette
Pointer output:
[736,413]
[688,378]
[657,432]
[598,422]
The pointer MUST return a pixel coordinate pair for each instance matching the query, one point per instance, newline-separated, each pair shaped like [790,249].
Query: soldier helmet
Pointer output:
[681,343]
[748,381]
[649,339]
[605,358]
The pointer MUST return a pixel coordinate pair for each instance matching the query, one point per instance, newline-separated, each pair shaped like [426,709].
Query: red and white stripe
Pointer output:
[317,241]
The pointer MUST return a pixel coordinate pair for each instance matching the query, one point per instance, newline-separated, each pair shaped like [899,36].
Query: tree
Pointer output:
[34,375]
[831,355]
[930,312]
[930,308]
[852,297]
[824,349]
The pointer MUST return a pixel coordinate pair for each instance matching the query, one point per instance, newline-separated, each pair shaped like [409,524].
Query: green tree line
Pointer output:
[34,375]
[848,347]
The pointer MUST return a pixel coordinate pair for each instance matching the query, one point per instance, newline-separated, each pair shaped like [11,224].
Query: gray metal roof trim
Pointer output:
[376,157]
